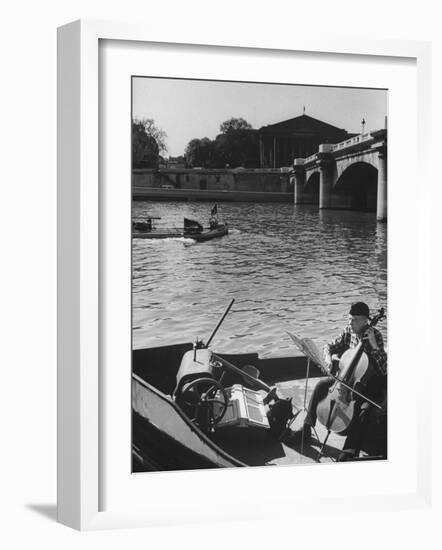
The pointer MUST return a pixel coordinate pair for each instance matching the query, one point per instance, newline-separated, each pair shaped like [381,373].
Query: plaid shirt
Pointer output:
[349,339]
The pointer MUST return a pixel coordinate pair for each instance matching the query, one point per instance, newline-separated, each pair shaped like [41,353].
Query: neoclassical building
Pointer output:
[297,137]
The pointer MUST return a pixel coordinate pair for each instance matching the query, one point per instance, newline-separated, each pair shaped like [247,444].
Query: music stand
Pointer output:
[309,349]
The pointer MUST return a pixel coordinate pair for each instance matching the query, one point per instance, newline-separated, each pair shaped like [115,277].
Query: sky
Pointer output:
[188,109]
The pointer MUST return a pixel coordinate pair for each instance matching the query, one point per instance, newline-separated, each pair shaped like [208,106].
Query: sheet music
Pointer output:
[308,348]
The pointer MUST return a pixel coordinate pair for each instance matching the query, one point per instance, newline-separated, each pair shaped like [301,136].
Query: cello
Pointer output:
[336,410]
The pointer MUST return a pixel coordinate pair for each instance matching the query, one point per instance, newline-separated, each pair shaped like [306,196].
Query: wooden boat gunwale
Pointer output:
[193,427]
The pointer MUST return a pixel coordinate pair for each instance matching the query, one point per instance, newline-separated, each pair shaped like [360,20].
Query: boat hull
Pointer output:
[210,234]
[206,235]
[165,439]
[155,235]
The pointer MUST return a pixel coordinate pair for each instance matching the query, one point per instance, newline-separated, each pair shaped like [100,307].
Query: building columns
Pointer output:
[325,183]
[261,151]
[381,208]
[274,152]
[299,174]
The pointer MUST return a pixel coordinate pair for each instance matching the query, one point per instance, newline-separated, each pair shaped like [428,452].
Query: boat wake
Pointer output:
[187,242]
[158,242]
[180,239]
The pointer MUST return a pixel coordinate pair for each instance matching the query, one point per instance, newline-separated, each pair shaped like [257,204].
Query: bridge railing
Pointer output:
[323,148]
[331,148]
[352,141]
[311,158]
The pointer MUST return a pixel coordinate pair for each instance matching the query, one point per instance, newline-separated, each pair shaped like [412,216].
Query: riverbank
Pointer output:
[141,193]
[223,185]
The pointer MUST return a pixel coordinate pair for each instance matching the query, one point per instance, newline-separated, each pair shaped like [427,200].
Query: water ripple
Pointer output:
[288,268]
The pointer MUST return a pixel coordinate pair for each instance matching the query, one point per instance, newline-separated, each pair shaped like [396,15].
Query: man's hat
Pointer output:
[360,308]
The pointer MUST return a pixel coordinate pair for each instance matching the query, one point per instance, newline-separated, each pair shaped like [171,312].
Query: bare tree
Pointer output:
[148,142]
[154,131]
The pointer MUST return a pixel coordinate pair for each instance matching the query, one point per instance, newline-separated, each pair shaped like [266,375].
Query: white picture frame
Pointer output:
[80,361]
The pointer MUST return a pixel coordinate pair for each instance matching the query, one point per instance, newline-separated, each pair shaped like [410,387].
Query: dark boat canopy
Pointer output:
[192,225]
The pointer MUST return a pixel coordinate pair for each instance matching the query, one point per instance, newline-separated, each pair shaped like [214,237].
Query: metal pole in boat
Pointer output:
[321,450]
[306,380]
[248,377]
[219,323]
[327,425]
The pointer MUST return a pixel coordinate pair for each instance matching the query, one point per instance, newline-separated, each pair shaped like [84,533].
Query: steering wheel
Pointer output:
[204,401]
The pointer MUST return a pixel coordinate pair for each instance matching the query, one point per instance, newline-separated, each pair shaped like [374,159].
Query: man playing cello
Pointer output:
[358,330]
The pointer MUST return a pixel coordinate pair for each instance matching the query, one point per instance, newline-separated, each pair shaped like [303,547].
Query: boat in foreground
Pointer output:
[194,408]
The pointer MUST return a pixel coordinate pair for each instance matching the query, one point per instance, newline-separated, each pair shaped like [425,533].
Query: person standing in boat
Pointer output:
[357,330]
[213,220]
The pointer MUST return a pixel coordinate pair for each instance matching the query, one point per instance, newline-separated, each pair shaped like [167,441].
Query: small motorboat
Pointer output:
[206,234]
[146,229]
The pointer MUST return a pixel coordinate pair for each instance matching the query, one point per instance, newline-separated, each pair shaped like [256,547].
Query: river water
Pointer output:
[289,268]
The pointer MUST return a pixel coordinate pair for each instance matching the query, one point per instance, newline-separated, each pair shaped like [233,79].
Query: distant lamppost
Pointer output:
[363,125]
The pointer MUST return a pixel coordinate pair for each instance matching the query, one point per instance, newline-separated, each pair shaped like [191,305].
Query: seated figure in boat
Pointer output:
[213,220]
[360,336]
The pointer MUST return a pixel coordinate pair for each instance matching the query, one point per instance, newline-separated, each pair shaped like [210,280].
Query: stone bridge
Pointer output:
[350,175]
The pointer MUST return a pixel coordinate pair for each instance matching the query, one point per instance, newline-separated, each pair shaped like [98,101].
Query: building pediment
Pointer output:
[302,124]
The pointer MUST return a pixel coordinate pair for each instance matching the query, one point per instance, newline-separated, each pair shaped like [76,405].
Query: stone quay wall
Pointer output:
[235,184]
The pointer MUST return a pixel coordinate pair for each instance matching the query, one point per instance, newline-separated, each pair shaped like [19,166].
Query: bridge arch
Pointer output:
[342,164]
[357,185]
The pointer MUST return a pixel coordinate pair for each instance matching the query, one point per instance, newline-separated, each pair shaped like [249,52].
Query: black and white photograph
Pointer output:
[222,329]
[259,274]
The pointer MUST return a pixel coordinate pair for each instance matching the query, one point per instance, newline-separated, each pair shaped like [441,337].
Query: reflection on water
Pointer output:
[288,267]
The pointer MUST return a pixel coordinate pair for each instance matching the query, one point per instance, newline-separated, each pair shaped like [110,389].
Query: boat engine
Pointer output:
[198,390]
[196,363]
